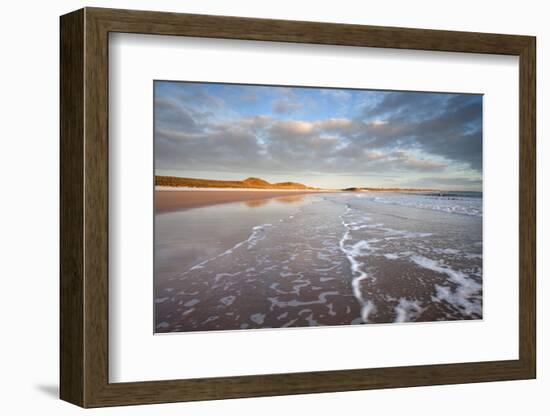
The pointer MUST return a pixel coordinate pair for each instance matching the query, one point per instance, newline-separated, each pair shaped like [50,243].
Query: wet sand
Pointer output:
[177,200]
[316,260]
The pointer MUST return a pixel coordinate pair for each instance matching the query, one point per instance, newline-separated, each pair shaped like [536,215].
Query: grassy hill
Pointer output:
[214,183]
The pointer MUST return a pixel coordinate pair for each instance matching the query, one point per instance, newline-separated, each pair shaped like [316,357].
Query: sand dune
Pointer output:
[257,183]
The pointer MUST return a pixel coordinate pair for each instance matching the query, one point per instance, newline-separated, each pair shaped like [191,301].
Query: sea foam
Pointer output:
[465,296]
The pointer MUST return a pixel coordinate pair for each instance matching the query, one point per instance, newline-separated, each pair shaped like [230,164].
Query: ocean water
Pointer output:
[320,259]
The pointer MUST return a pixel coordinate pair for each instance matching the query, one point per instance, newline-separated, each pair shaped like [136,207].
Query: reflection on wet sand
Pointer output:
[257,203]
[172,201]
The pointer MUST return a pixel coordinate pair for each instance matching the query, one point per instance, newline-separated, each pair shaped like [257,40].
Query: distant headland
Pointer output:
[389,190]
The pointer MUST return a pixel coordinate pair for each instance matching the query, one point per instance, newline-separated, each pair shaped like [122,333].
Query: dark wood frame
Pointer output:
[84,207]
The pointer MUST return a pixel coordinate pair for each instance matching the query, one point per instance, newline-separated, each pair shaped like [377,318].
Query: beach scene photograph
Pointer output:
[291,206]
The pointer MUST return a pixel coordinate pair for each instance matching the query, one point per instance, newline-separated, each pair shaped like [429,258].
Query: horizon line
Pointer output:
[397,188]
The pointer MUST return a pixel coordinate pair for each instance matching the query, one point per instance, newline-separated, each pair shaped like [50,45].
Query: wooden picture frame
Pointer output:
[84,207]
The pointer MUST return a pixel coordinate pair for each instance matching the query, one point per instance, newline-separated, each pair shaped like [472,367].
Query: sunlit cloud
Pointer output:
[303,134]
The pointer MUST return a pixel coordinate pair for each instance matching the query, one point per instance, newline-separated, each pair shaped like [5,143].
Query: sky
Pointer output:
[321,137]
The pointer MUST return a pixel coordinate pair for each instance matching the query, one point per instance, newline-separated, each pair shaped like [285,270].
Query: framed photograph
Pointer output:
[255,207]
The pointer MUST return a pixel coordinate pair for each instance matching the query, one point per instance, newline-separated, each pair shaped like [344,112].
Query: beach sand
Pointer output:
[296,260]
[177,200]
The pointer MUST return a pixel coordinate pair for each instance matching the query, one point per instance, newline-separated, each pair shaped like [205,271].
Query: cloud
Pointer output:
[220,147]
[170,114]
[447,125]
[390,133]
[265,143]
[285,106]
[458,183]
[410,162]
[337,94]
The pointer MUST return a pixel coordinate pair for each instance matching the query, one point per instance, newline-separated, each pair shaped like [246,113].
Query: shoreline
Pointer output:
[170,199]
[301,190]
[243,189]
[187,198]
